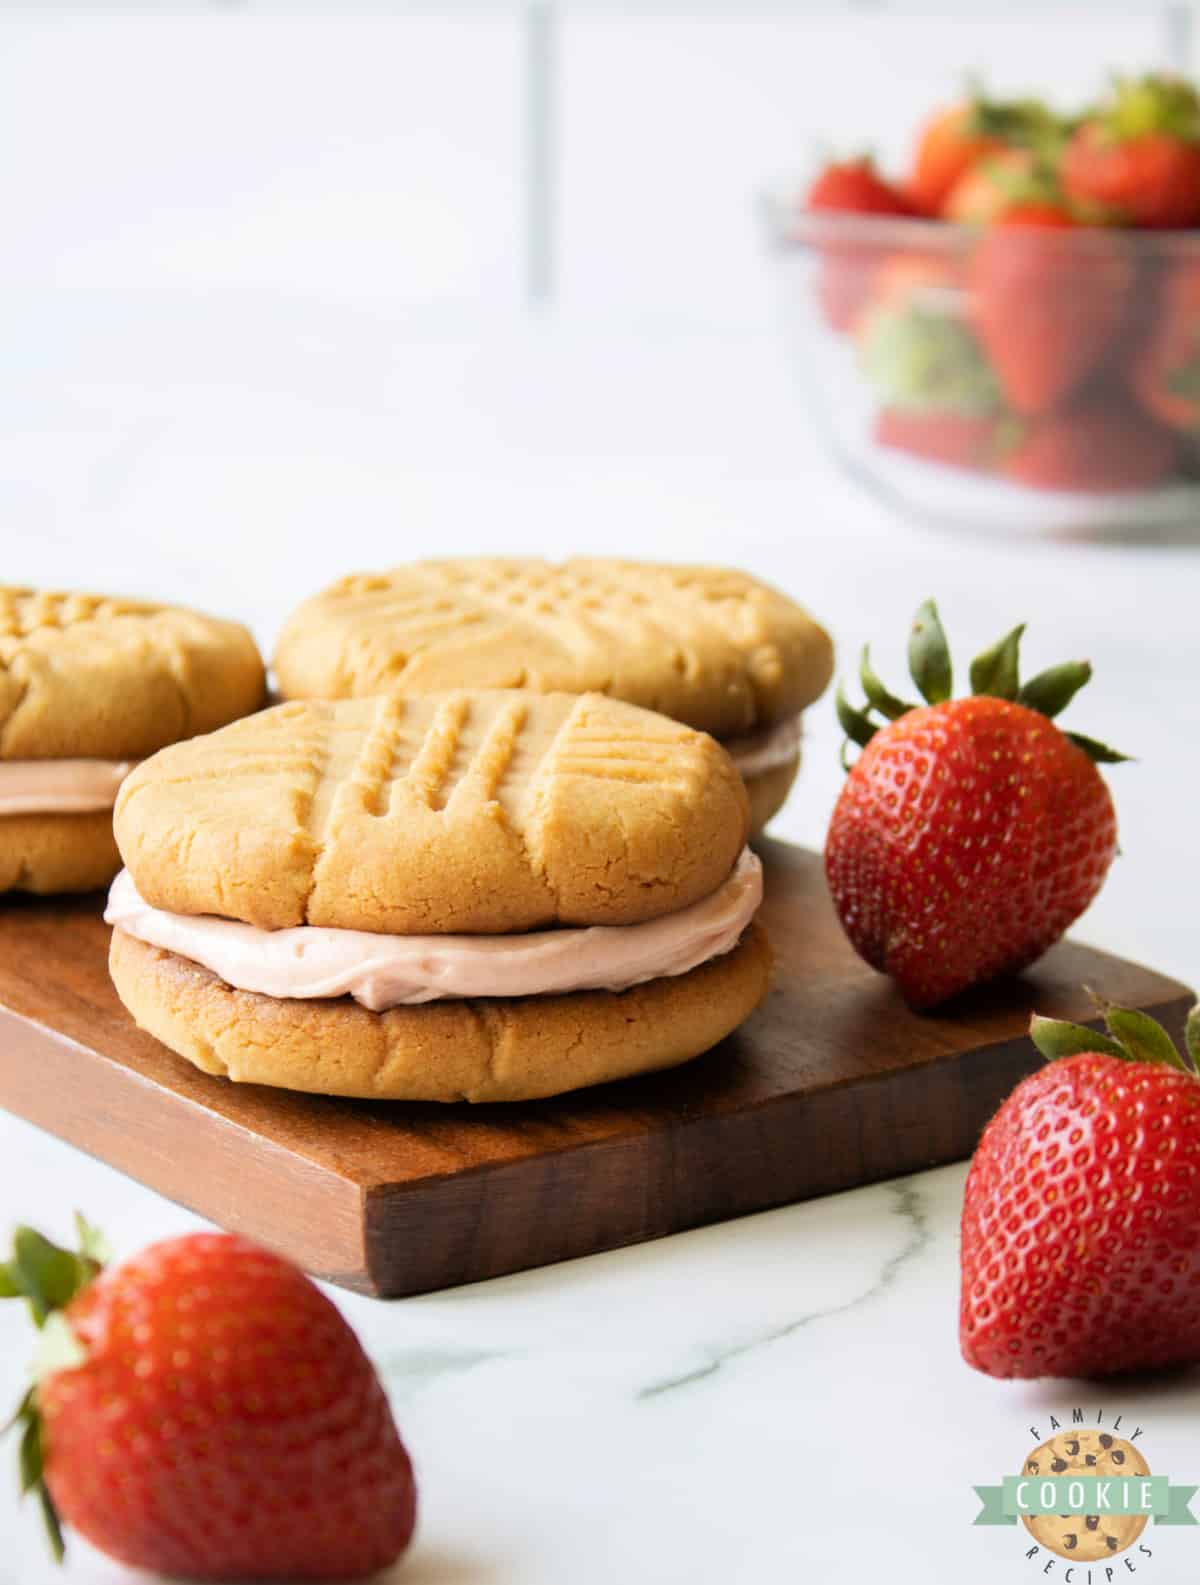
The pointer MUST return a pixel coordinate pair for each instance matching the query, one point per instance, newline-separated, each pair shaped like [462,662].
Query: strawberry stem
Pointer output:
[995,673]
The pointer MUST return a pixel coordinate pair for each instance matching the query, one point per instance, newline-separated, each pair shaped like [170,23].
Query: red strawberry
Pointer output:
[960,440]
[955,140]
[214,1418]
[946,149]
[856,187]
[971,832]
[1096,447]
[847,269]
[1140,155]
[1044,310]
[1081,1223]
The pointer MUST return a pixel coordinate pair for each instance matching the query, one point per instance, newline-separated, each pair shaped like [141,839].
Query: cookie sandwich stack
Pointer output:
[479,895]
[88,686]
[713,648]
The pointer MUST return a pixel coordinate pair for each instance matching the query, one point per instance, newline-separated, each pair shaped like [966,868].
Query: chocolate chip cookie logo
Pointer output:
[1086,1494]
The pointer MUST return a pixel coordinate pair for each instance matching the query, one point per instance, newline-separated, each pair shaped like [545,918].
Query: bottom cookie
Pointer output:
[768,793]
[483,1050]
[57,853]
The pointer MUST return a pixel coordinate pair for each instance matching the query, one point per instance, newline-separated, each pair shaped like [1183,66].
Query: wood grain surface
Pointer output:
[832,1083]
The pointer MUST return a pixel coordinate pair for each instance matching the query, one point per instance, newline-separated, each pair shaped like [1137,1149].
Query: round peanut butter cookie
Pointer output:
[477,813]
[1086,1538]
[57,853]
[88,684]
[713,648]
[493,1049]
[86,676]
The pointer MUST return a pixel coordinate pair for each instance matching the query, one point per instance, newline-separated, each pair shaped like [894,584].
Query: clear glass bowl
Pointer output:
[1018,380]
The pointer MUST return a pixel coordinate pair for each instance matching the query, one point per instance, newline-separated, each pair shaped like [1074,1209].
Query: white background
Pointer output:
[386,156]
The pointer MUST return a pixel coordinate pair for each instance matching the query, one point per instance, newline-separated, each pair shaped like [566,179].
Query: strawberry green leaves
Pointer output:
[1051,691]
[929,656]
[93,1245]
[1133,1036]
[1155,104]
[1142,1036]
[1191,1037]
[995,673]
[30,1474]
[878,697]
[1056,1038]
[1098,753]
[48,1277]
[856,724]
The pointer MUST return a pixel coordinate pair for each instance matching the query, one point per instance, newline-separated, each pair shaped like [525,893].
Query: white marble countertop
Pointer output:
[777,1398]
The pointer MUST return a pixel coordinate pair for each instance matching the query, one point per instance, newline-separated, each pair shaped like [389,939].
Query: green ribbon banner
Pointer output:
[1021,1495]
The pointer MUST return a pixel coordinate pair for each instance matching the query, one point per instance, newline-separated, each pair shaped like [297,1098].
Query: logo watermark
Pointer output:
[1086,1495]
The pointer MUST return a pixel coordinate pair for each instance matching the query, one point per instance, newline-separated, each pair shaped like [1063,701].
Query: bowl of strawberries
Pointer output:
[1009,337]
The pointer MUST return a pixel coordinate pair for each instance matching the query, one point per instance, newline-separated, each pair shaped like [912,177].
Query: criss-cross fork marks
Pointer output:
[24,612]
[454,767]
[440,755]
[598,755]
[577,611]
[451,754]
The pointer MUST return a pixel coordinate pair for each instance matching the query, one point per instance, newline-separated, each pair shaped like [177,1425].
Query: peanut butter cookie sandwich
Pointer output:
[482,896]
[89,685]
[713,648]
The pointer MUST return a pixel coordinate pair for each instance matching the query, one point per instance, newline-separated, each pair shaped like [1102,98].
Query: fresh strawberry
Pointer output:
[1166,365]
[1140,154]
[1014,182]
[1102,447]
[960,440]
[1045,309]
[970,832]
[847,268]
[856,187]
[947,147]
[1081,1223]
[205,1412]
[986,190]
[956,139]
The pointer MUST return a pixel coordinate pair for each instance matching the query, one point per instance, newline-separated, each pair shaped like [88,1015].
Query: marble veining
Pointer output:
[906,1197]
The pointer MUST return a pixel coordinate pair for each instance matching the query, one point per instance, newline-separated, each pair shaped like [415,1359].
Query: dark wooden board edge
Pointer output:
[194,1153]
[687,1176]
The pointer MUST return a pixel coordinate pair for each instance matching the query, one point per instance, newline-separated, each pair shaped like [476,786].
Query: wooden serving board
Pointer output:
[832,1083]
